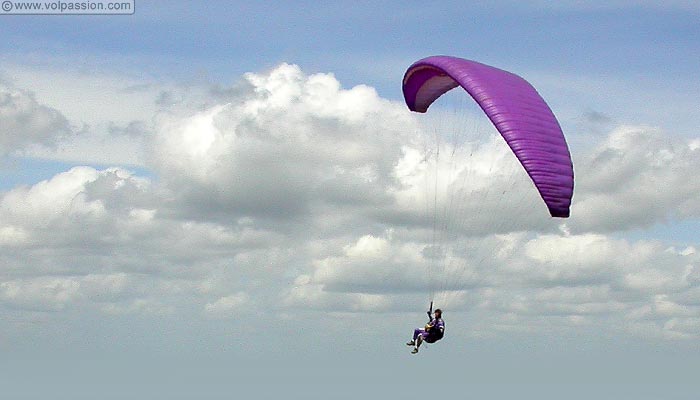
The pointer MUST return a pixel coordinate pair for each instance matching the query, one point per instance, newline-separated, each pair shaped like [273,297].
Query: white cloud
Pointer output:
[99,114]
[12,235]
[90,95]
[469,183]
[105,287]
[292,193]
[75,205]
[24,122]
[45,294]
[60,196]
[368,247]
[636,177]
[228,306]
[306,294]
[288,143]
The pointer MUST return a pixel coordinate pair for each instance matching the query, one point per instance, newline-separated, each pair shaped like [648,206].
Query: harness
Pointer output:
[434,334]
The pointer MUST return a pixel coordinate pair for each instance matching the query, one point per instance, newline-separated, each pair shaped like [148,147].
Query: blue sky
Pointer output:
[206,200]
[226,39]
[649,45]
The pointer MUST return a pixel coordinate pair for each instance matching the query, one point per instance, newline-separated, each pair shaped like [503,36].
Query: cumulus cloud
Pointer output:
[24,122]
[104,238]
[525,279]
[636,177]
[73,205]
[289,144]
[227,306]
[307,294]
[290,192]
[110,114]
[39,294]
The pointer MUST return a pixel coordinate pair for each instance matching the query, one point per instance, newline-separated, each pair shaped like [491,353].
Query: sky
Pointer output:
[212,200]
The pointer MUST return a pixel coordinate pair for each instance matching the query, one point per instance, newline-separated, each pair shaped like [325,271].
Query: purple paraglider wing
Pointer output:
[516,109]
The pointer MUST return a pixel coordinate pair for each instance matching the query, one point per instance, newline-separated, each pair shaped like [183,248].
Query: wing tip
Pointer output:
[559,212]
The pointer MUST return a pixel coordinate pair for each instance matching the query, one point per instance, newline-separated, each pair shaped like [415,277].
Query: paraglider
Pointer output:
[516,109]
[521,117]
